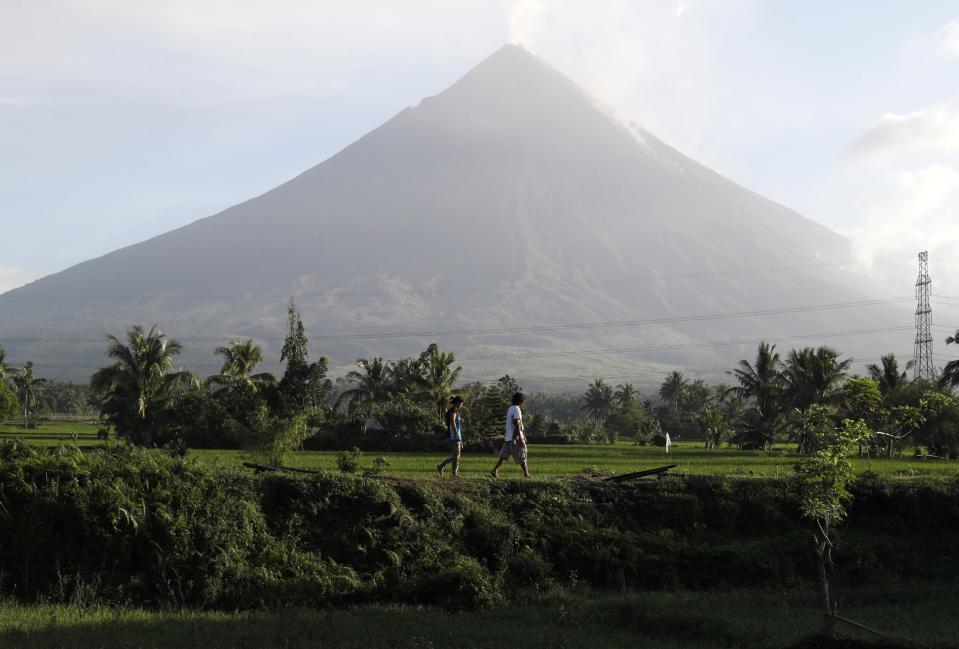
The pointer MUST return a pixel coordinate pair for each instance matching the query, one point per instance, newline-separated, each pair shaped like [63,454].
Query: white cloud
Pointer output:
[12,277]
[911,211]
[647,59]
[947,40]
[934,129]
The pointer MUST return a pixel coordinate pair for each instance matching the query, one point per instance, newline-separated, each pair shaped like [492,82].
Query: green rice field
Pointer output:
[544,460]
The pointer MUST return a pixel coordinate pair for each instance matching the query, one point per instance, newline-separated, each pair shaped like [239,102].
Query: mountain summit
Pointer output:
[510,201]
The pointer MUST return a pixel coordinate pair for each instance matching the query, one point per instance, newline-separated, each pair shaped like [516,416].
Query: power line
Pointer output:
[558,353]
[427,289]
[532,329]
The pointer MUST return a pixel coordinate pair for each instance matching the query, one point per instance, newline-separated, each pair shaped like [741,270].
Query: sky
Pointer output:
[122,120]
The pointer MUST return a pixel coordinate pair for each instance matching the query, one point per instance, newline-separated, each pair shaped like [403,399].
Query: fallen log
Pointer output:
[260,468]
[658,471]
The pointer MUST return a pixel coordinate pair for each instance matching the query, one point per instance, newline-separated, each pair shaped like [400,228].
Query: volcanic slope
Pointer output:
[511,200]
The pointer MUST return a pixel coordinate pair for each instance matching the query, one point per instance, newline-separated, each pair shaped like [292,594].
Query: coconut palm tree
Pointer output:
[142,383]
[950,373]
[673,390]
[762,382]
[240,359]
[439,375]
[26,386]
[598,401]
[813,376]
[406,377]
[5,370]
[371,384]
[625,396]
[887,373]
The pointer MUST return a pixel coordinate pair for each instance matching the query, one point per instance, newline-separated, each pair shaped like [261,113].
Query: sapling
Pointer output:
[825,478]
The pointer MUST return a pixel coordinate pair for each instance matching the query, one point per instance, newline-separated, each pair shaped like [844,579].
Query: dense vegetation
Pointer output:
[151,529]
[397,405]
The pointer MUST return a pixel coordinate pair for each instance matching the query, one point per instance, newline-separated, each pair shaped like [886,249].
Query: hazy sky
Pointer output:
[121,120]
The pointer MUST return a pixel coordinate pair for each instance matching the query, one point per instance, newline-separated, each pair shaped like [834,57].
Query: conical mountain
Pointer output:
[510,200]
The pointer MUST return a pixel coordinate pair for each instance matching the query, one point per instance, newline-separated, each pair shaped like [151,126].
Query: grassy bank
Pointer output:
[147,529]
[566,618]
[564,460]
[545,460]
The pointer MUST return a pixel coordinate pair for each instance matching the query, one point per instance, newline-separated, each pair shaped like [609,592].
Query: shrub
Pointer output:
[349,461]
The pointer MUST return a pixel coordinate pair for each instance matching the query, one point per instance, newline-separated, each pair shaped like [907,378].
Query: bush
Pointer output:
[143,528]
[349,461]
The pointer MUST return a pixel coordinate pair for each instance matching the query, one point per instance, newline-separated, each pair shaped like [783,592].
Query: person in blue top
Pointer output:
[454,435]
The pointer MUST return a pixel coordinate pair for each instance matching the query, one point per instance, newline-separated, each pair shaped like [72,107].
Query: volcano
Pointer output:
[511,219]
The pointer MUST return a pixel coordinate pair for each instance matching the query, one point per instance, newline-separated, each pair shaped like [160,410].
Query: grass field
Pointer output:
[713,620]
[549,460]
[544,460]
[79,432]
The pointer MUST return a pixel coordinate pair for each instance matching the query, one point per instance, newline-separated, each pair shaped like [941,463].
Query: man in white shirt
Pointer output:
[515,440]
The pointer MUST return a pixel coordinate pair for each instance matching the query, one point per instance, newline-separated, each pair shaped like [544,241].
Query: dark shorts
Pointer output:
[517,451]
[455,449]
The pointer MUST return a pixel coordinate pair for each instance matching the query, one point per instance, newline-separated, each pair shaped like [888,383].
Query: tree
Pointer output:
[625,397]
[294,350]
[673,390]
[950,373]
[508,386]
[9,404]
[439,375]
[699,396]
[406,378]
[134,391]
[887,374]
[808,427]
[5,370]
[824,491]
[304,385]
[487,414]
[762,382]
[371,384]
[240,359]
[940,428]
[712,426]
[813,376]
[598,401]
[862,399]
[26,385]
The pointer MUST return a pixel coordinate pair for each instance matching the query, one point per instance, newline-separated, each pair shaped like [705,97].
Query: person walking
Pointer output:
[515,440]
[454,433]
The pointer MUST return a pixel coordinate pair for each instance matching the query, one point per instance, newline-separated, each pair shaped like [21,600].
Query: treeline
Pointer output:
[148,529]
[397,405]
[802,397]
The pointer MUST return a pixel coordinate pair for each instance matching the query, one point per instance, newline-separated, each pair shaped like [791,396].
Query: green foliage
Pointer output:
[598,401]
[304,385]
[826,475]
[861,397]
[146,529]
[135,391]
[378,467]
[628,423]
[26,386]
[349,461]
[809,428]
[408,421]
[63,398]
[762,383]
[9,404]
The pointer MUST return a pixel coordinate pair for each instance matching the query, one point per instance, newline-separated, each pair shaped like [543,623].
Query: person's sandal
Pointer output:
[494,473]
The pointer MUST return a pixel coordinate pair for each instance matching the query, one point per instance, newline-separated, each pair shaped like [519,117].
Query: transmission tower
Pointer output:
[923,353]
